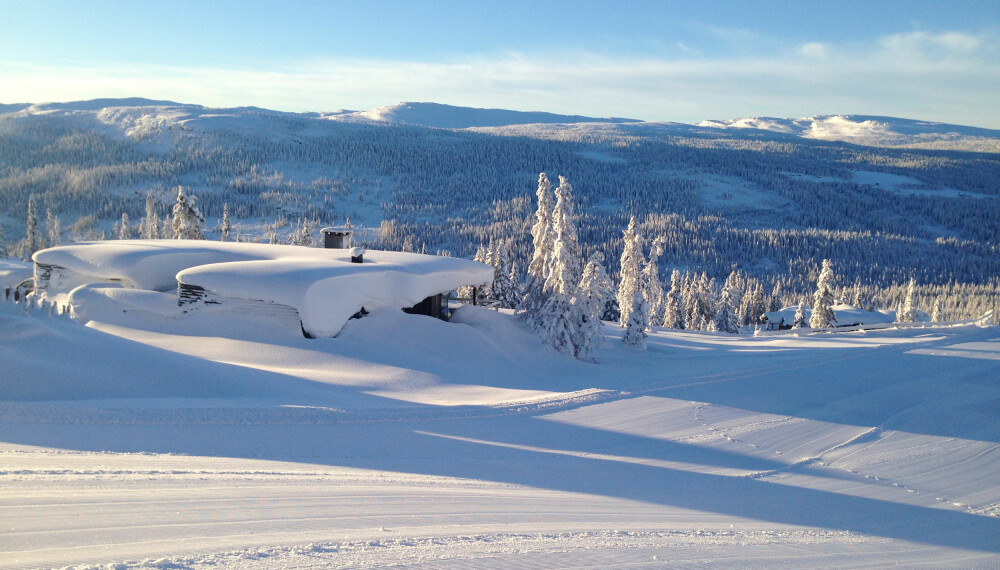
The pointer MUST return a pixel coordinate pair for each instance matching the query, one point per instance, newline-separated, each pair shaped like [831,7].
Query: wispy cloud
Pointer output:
[950,77]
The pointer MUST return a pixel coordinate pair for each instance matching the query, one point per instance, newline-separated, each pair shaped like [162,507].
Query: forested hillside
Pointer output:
[769,204]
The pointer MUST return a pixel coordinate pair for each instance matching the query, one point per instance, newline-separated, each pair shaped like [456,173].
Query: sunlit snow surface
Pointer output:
[226,439]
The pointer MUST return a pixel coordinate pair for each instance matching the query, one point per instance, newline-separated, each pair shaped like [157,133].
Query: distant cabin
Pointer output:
[847,316]
[322,288]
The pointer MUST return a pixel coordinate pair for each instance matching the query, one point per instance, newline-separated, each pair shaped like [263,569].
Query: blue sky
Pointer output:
[658,60]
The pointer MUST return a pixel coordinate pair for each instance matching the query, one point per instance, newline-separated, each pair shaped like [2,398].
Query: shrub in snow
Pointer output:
[187,220]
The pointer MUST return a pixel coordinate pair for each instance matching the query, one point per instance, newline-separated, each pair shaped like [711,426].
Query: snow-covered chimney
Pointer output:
[357,254]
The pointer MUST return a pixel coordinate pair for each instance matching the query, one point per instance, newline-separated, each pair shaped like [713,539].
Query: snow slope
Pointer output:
[220,439]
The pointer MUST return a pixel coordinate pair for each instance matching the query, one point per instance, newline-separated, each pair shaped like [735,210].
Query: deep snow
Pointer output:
[228,439]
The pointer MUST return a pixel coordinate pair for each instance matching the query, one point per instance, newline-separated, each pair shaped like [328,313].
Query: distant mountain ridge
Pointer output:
[451,117]
[137,115]
[869,129]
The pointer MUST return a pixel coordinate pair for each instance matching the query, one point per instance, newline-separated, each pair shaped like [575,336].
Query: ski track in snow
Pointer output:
[714,461]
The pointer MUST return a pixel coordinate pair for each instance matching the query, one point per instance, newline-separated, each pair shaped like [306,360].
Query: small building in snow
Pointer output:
[323,287]
[847,316]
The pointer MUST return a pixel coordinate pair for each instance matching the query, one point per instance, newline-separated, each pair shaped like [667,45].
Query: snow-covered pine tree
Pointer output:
[33,240]
[3,244]
[652,284]
[800,316]
[690,298]
[226,225]
[150,225]
[504,288]
[706,299]
[565,262]
[935,313]
[908,313]
[673,308]
[542,238]
[594,291]
[187,220]
[822,313]
[638,321]
[562,312]
[124,228]
[630,278]
[53,229]
[725,315]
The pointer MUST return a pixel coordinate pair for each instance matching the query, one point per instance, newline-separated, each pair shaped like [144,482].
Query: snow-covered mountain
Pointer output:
[451,117]
[90,162]
[871,130]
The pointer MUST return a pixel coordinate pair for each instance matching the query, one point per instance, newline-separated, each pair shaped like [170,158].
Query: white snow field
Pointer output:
[225,439]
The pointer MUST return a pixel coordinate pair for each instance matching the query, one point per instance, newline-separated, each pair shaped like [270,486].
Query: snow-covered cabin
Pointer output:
[322,286]
[847,316]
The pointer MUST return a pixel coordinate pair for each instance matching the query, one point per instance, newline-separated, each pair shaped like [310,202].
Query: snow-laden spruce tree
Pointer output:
[565,263]
[542,238]
[800,316]
[673,308]
[124,227]
[638,321]
[726,319]
[562,313]
[226,225]
[53,229]
[630,276]
[187,220]
[594,291]
[652,284]
[908,313]
[33,239]
[822,312]
[935,312]
[150,225]
[504,288]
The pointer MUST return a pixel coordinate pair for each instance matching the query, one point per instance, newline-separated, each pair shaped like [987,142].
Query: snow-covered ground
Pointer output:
[220,439]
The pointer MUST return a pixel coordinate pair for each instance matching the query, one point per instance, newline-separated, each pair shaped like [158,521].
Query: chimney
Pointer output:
[357,254]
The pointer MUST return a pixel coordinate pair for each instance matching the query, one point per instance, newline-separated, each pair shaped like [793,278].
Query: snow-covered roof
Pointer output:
[322,284]
[846,315]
